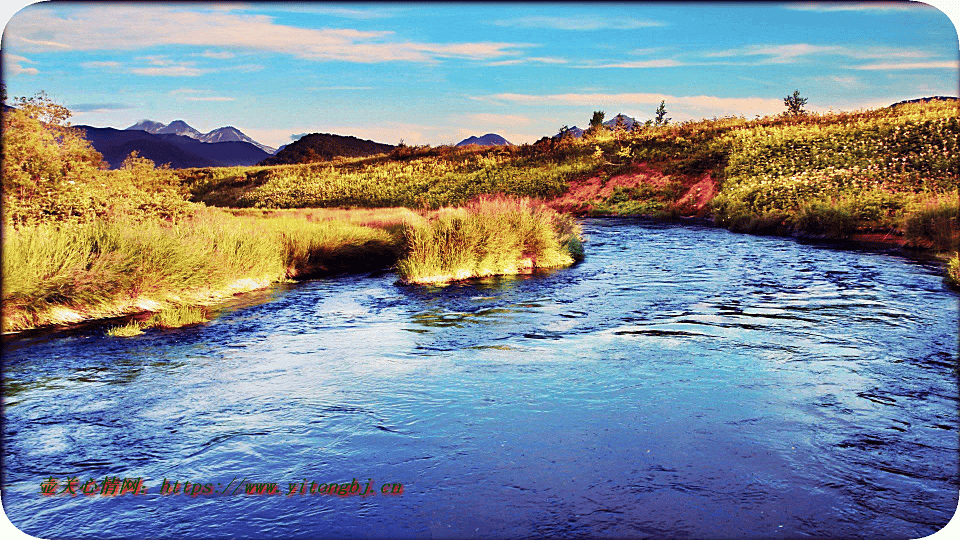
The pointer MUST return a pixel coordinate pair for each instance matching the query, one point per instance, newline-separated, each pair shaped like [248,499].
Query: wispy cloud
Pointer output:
[530,60]
[910,65]
[795,52]
[101,64]
[14,67]
[638,64]
[578,23]
[857,6]
[208,98]
[170,71]
[88,27]
[344,12]
[162,66]
[217,55]
[98,107]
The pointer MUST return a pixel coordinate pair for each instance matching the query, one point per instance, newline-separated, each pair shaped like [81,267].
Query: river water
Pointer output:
[682,381]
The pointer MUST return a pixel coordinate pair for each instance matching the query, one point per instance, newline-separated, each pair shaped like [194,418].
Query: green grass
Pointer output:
[178,316]
[953,271]
[55,272]
[133,328]
[59,273]
[489,236]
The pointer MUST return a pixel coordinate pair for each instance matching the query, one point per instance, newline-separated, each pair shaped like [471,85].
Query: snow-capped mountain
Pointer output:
[179,127]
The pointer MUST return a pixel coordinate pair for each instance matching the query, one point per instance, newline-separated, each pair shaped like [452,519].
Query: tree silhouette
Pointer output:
[662,119]
[795,104]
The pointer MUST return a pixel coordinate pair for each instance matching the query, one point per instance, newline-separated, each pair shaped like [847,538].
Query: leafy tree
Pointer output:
[596,123]
[637,127]
[661,119]
[45,161]
[795,104]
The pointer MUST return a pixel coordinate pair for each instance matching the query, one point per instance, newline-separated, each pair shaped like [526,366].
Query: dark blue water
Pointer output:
[681,382]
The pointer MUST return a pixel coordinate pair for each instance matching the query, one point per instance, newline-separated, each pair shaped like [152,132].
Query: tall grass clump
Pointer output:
[178,316]
[488,236]
[953,271]
[133,328]
[935,225]
[61,272]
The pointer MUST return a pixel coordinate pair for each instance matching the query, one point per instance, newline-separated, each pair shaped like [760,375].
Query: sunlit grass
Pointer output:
[61,272]
[178,316]
[133,328]
[489,236]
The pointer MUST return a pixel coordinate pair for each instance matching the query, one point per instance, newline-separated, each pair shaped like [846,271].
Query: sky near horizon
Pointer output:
[439,73]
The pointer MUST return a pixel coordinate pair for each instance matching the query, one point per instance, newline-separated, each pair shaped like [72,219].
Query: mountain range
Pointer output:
[179,127]
[177,151]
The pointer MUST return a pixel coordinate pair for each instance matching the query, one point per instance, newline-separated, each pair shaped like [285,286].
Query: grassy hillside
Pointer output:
[888,174]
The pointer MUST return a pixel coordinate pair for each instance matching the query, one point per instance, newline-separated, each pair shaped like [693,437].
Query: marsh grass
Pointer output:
[953,271]
[178,316]
[55,273]
[488,236]
[133,328]
[935,225]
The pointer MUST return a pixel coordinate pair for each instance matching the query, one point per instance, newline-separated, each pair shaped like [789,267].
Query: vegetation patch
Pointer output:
[490,236]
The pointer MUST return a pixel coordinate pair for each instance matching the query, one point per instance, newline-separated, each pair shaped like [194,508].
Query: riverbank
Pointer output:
[68,273]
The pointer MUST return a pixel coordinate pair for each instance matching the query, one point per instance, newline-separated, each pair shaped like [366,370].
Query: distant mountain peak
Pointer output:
[180,127]
[490,139]
[148,125]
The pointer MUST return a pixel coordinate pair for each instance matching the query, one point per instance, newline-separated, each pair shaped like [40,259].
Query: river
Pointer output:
[682,381]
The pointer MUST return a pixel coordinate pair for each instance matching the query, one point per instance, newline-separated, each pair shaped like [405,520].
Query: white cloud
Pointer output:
[639,64]
[208,98]
[217,55]
[13,66]
[529,60]
[170,71]
[101,64]
[857,6]
[46,27]
[910,65]
[793,52]
[578,23]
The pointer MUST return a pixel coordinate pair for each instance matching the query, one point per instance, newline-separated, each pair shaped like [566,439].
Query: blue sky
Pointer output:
[438,73]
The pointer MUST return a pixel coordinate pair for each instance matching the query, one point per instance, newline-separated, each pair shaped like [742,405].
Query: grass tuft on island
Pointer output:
[489,236]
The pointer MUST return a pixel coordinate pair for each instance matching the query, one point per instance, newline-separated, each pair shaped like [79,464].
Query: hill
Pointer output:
[179,151]
[490,139]
[325,147]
